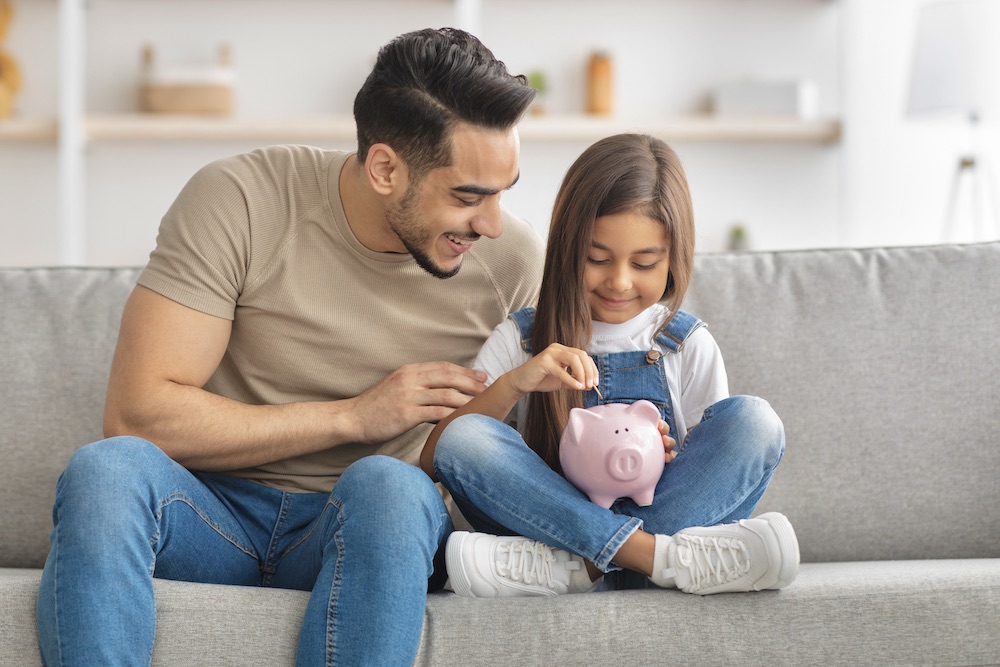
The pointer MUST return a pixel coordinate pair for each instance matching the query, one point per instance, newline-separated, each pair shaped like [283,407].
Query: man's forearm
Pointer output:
[204,431]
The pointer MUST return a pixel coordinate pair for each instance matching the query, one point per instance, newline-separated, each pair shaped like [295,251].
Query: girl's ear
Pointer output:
[385,170]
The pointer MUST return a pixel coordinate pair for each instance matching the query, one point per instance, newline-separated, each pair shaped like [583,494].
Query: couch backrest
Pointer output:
[57,334]
[884,365]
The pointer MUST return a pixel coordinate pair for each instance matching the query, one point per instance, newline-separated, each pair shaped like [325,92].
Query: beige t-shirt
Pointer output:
[262,239]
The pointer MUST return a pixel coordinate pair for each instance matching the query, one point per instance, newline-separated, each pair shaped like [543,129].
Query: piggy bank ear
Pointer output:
[580,419]
[645,410]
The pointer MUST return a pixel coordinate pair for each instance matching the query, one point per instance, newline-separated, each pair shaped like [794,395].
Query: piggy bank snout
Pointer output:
[626,463]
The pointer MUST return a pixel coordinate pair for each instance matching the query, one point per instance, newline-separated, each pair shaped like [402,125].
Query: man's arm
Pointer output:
[167,352]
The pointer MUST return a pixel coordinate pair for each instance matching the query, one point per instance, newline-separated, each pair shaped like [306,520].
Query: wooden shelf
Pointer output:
[703,127]
[152,127]
[28,130]
[545,128]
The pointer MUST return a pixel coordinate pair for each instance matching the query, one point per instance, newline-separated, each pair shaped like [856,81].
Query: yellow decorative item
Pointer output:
[10,73]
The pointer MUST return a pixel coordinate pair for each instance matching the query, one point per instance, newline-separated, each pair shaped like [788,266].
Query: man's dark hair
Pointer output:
[426,81]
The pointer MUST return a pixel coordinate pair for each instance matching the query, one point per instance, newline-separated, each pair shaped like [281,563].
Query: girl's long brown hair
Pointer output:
[622,173]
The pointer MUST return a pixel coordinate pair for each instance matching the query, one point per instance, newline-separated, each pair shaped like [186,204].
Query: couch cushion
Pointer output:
[885,613]
[884,365]
[880,613]
[197,624]
[57,336]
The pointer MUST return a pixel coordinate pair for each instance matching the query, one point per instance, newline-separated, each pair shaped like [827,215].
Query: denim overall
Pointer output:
[503,487]
[627,377]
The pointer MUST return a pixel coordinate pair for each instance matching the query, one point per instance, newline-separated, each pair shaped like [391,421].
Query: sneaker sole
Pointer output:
[457,576]
[787,544]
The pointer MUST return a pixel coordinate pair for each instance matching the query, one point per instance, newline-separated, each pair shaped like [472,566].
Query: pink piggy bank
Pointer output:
[614,451]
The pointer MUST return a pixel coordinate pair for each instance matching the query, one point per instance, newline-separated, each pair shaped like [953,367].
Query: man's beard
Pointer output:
[406,224]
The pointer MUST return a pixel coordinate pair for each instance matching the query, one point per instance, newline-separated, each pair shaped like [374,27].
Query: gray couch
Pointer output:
[883,363]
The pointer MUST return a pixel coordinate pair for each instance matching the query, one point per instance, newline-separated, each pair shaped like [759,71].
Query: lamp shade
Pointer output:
[956,63]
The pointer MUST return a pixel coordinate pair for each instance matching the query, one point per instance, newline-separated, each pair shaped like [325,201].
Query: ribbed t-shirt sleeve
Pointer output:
[203,245]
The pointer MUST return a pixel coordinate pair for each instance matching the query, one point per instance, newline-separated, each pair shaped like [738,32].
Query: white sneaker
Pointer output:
[487,566]
[751,555]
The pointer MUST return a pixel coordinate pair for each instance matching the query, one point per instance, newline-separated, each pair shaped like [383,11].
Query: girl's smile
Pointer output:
[627,266]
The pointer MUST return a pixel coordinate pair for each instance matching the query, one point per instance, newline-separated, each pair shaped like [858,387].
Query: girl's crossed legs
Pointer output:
[686,538]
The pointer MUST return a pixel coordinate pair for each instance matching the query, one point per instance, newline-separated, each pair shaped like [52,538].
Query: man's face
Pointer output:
[438,219]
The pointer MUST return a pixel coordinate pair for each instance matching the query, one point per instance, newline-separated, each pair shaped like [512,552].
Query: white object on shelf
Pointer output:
[762,98]
[207,90]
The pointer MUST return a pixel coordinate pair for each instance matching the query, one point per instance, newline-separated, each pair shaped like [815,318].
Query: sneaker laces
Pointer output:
[712,560]
[527,562]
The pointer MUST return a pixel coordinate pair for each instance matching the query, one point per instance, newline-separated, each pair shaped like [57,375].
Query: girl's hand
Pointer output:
[555,367]
[668,442]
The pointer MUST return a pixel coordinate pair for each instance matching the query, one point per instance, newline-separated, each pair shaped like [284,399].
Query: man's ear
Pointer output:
[385,170]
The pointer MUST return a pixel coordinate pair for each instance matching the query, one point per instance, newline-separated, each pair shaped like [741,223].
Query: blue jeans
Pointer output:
[503,487]
[125,512]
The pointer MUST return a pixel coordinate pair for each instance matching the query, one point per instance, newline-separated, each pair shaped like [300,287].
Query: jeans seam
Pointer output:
[184,498]
[56,614]
[332,602]
[268,565]
[308,533]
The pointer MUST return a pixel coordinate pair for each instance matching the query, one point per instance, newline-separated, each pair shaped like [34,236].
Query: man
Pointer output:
[294,333]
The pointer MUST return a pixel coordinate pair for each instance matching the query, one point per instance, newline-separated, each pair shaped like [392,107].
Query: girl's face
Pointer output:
[627,266]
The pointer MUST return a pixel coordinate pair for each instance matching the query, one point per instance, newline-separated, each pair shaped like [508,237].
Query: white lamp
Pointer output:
[956,71]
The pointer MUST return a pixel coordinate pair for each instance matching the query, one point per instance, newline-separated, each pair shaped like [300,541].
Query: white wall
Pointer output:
[884,183]
[899,170]
[667,56]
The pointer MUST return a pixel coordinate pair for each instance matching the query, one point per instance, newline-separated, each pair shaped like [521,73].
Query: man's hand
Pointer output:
[414,394]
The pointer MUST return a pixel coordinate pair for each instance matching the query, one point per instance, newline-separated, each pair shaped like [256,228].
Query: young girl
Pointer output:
[608,329]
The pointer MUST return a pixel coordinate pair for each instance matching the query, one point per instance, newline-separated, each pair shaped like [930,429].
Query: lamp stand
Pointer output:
[974,171]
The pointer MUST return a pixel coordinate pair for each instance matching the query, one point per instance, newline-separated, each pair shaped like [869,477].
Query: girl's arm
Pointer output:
[555,367]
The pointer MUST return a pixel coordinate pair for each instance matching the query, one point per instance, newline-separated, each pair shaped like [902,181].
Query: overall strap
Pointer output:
[525,320]
[677,329]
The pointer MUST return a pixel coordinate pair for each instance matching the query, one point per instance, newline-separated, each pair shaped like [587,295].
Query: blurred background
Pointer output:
[801,123]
